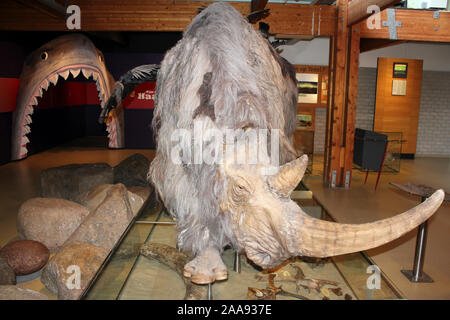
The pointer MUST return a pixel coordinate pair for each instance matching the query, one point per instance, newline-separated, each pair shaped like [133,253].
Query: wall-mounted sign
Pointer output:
[398,87]
[142,97]
[308,84]
[400,70]
[305,121]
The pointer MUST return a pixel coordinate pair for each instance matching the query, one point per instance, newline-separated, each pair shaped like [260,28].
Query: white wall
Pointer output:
[314,52]
[435,56]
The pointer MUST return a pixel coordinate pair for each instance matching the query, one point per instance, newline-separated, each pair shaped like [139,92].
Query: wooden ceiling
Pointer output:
[140,15]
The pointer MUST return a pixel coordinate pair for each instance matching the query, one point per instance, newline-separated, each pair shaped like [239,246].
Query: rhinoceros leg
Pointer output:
[206,267]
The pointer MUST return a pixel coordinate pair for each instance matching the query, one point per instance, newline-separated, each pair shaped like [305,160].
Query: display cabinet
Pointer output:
[128,274]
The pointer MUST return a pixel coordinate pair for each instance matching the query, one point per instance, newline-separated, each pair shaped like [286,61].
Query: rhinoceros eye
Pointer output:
[241,190]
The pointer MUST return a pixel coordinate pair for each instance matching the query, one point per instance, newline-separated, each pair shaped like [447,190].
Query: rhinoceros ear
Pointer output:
[288,176]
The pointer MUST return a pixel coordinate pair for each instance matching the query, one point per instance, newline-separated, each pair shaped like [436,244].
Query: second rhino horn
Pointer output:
[289,176]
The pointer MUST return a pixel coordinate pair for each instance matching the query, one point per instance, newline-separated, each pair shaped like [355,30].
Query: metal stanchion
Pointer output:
[417,274]
[237,262]
[210,297]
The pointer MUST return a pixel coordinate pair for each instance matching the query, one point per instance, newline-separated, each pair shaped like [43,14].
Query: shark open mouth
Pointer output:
[70,55]
[90,73]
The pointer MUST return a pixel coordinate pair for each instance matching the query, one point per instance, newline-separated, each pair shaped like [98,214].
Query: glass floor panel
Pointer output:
[127,274]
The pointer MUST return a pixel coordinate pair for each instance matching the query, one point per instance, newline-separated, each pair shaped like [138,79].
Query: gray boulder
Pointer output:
[49,220]
[18,293]
[7,275]
[104,226]
[132,171]
[96,195]
[70,181]
[60,274]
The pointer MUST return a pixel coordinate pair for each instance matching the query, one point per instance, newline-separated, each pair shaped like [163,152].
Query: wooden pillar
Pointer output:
[344,56]
[350,114]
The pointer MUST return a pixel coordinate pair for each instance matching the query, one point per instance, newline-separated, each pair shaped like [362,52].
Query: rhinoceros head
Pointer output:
[271,227]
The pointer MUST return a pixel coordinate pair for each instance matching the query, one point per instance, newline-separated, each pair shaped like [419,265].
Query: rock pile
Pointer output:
[83,212]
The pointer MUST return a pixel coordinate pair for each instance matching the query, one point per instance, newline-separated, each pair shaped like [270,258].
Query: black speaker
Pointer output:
[369,147]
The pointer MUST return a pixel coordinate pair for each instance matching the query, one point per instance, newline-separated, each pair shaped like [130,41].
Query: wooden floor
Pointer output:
[19,181]
[361,203]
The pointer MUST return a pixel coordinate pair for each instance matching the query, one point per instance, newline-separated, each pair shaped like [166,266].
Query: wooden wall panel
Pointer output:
[398,113]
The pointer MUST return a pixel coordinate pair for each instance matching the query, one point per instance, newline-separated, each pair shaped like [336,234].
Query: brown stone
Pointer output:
[104,226]
[7,275]
[49,220]
[18,293]
[132,171]
[25,256]
[96,195]
[70,181]
[60,279]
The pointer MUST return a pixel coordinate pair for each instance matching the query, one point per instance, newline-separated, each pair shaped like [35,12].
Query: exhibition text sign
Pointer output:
[142,97]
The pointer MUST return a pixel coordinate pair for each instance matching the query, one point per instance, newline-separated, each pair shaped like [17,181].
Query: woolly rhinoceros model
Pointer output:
[223,77]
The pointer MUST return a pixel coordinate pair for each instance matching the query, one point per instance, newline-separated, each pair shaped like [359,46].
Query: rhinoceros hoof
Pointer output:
[206,267]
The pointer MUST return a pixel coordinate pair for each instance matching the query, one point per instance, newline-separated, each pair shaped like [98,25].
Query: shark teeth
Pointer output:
[28,119]
[75,72]
[65,74]
[86,73]
[112,133]
[54,79]
[101,96]
[29,110]
[45,84]
[34,101]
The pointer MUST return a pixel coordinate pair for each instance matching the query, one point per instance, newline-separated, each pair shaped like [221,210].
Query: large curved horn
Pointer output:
[319,238]
[289,176]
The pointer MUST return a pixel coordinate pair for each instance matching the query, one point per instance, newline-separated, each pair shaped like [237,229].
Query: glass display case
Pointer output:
[128,274]
[393,152]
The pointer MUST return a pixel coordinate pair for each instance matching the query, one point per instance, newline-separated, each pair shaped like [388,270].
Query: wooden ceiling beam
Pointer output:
[357,9]
[139,15]
[55,11]
[374,44]
[416,25]
[257,5]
